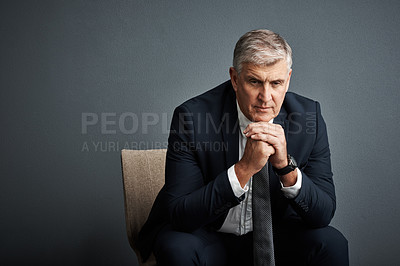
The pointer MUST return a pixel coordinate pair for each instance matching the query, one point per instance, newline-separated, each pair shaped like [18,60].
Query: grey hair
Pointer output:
[261,47]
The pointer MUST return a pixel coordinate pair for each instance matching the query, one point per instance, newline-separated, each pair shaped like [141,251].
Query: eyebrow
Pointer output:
[251,76]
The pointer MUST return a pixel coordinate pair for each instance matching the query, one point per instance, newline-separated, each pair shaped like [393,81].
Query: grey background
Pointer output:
[61,203]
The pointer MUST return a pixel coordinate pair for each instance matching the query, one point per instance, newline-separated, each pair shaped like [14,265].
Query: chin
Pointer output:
[263,117]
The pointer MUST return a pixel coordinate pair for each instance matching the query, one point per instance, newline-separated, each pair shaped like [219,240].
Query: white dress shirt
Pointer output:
[239,220]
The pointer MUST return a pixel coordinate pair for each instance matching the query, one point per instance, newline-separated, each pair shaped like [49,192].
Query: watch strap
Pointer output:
[292,165]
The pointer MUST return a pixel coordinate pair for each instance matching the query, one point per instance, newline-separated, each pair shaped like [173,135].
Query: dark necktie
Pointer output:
[262,220]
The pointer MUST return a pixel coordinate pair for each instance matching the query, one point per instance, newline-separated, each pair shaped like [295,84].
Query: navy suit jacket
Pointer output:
[203,144]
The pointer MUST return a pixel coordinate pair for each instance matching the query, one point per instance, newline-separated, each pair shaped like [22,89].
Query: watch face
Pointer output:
[292,162]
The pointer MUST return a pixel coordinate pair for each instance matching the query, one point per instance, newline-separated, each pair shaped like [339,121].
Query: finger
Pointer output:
[255,125]
[268,138]
[262,148]
[270,150]
[263,124]
[265,128]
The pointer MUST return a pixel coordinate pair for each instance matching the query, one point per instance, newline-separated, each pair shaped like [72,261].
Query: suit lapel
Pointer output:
[281,119]
[230,132]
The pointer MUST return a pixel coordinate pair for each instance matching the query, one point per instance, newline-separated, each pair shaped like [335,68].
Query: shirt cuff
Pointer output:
[233,180]
[293,191]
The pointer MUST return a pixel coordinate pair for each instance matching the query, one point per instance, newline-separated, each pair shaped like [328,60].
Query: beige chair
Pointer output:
[143,177]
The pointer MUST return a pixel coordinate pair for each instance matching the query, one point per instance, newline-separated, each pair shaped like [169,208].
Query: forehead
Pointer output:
[277,70]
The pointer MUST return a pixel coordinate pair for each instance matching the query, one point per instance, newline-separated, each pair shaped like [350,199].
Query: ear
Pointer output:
[234,77]
[288,80]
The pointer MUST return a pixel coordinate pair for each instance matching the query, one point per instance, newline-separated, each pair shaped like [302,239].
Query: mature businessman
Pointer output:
[248,172]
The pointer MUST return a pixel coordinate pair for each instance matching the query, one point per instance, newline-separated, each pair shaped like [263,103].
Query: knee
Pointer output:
[179,252]
[322,246]
[330,247]
[331,239]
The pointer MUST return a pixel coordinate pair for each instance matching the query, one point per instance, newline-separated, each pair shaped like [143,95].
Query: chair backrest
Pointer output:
[143,177]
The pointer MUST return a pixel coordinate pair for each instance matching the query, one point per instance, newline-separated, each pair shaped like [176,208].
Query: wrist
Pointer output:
[281,164]
[243,173]
[289,179]
[289,167]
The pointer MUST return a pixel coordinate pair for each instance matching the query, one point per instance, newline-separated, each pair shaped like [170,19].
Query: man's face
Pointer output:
[260,90]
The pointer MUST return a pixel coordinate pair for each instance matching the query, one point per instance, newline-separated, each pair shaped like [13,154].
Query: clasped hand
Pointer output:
[265,142]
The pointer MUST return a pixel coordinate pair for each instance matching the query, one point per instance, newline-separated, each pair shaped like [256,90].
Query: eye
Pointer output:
[254,81]
[276,83]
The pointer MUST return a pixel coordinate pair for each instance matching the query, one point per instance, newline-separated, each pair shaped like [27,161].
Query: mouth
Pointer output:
[262,108]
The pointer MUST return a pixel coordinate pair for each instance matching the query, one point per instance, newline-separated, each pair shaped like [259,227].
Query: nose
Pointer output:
[265,93]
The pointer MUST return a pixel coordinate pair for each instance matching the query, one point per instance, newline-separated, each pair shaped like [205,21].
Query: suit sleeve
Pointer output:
[192,203]
[316,201]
